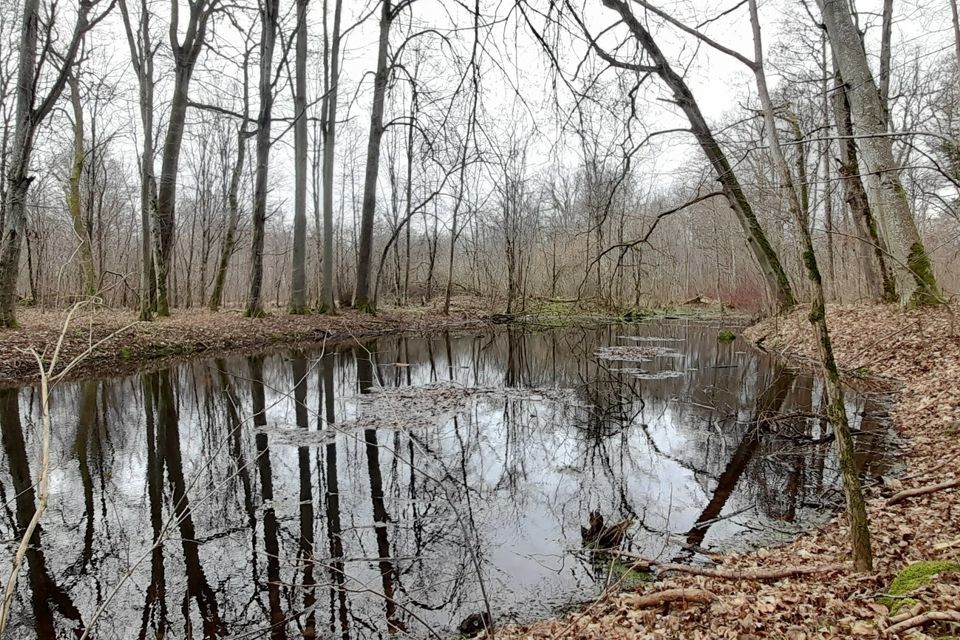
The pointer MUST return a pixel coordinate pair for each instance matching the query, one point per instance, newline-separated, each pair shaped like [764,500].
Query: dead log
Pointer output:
[922,619]
[697,596]
[922,491]
[736,574]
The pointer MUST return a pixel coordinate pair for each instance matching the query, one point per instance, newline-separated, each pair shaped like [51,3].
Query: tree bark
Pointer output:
[73,192]
[880,279]
[298,296]
[327,304]
[268,22]
[916,281]
[361,297]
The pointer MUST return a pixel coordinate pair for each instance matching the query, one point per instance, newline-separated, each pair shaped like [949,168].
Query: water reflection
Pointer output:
[233,496]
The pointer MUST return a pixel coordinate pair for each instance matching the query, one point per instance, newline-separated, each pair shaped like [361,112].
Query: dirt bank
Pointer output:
[919,353]
[117,343]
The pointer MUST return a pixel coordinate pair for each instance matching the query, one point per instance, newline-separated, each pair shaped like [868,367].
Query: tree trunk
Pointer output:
[916,281]
[836,409]
[298,296]
[886,37]
[878,274]
[164,222]
[229,244]
[361,298]
[774,276]
[327,304]
[73,192]
[141,55]
[18,182]
[955,15]
[268,24]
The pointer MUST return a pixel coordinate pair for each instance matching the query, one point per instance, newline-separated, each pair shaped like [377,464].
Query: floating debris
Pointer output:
[650,339]
[631,353]
[419,407]
[659,375]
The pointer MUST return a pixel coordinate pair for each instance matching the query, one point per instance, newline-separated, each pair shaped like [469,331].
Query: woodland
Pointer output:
[186,177]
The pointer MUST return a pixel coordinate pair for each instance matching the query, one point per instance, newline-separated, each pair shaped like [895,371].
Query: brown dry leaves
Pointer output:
[919,351]
[190,332]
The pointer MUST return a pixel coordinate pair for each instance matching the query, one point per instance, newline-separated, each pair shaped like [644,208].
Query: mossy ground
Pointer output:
[912,578]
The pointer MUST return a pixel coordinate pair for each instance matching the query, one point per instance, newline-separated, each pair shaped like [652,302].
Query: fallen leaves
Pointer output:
[918,352]
[190,332]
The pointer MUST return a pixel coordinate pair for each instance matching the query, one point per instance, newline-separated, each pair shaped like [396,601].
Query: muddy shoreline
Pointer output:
[119,345]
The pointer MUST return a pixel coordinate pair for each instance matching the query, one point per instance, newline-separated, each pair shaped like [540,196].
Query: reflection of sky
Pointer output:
[515,477]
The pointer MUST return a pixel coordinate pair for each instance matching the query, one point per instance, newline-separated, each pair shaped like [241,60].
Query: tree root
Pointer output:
[698,596]
[921,491]
[924,618]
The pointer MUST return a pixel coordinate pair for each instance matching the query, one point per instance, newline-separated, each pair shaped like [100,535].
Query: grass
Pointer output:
[725,336]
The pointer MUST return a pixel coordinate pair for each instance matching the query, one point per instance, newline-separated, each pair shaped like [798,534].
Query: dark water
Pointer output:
[284,505]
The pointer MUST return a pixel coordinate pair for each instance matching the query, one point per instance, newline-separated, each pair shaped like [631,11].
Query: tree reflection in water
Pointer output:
[226,462]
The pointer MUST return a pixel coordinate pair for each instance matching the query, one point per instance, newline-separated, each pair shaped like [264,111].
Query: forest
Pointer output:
[517,319]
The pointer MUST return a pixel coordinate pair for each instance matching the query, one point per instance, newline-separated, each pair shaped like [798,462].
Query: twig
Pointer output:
[737,574]
[921,491]
[42,493]
[922,619]
[699,596]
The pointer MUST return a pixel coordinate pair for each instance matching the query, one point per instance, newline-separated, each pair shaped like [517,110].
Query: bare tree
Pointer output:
[361,296]
[228,245]
[836,407]
[774,274]
[298,295]
[185,55]
[73,190]
[331,65]
[32,109]
[915,278]
[269,20]
[142,52]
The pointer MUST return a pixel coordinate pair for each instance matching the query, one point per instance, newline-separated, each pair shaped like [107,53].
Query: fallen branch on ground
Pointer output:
[916,621]
[699,596]
[922,491]
[906,615]
[737,574]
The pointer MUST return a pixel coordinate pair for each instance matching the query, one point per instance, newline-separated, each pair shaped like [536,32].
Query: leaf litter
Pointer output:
[915,352]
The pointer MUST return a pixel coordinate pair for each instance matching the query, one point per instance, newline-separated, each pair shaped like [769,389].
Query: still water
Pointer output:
[395,486]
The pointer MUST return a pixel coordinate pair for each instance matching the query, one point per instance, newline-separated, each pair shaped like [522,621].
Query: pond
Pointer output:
[397,486]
